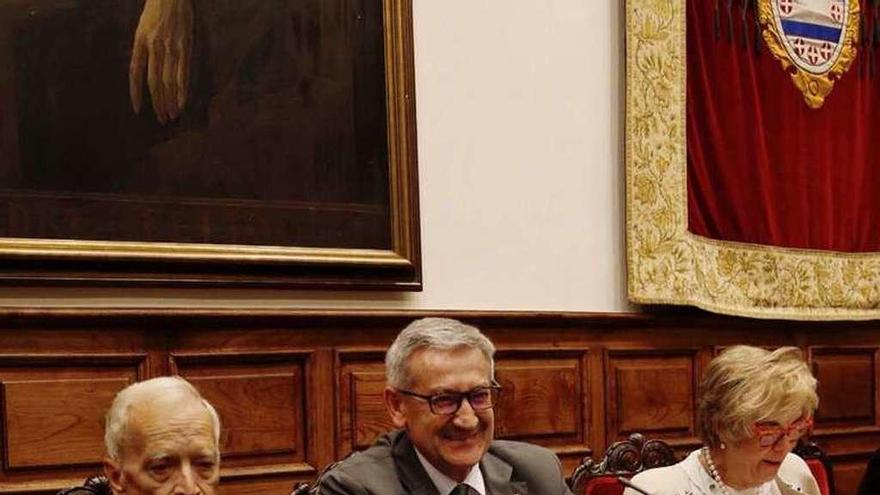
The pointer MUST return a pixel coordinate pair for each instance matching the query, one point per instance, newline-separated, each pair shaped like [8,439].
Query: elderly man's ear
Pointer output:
[113,472]
[395,407]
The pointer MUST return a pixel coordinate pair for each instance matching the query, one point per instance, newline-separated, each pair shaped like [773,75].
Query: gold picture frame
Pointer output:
[395,264]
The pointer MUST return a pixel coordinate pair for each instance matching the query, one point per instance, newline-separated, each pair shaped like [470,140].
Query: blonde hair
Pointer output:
[745,385]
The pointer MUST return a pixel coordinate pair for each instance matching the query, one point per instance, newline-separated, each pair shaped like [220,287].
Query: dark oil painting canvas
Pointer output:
[240,122]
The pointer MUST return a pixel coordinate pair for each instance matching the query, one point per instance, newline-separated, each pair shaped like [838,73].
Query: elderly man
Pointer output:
[441,393]
[162,438]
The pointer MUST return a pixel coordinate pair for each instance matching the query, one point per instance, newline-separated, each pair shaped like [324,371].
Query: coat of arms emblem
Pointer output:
[815,40]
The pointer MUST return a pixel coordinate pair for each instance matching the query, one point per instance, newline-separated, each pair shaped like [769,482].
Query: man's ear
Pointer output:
[113,472]
[396,409]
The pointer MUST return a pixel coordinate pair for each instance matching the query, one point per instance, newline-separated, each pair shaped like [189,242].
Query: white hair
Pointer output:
[116,423]
[432,333]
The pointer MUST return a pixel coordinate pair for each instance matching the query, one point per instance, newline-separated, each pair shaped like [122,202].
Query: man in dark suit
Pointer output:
[440,394]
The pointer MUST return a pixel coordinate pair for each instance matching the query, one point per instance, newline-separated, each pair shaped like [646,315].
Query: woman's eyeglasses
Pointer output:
[770,435]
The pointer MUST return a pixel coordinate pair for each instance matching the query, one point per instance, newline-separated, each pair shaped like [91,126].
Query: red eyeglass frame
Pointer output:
[777,432]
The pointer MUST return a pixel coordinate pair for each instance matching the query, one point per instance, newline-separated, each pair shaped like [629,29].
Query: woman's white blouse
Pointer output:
[688,477]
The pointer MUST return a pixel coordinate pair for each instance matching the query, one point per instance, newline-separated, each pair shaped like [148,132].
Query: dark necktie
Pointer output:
[463,489]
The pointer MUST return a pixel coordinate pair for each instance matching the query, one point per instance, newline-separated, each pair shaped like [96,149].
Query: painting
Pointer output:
[208,142]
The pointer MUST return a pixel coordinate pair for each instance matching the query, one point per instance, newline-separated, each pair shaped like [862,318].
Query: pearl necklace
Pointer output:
[714,471]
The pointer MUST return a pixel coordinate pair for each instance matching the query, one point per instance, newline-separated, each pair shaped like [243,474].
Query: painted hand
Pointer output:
[162,50]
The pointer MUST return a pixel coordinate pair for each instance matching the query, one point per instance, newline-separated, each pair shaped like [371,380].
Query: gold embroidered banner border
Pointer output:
[669,265]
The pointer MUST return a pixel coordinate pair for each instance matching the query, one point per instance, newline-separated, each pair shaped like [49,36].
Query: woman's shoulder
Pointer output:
[665,480]
[663,475]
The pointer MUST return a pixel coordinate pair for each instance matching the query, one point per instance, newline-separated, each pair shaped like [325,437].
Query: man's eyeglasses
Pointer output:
[770,435]
[448,403]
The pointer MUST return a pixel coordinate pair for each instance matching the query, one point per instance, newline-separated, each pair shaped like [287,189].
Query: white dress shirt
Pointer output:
[445,484]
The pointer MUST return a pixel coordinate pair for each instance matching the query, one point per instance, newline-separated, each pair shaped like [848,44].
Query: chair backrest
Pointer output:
[819,463]
[94,485]
[624,458]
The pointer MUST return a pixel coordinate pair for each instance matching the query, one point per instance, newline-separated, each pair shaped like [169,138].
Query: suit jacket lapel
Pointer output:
[409,470]
[497,476]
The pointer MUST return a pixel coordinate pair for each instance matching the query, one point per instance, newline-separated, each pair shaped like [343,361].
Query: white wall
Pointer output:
[520,106]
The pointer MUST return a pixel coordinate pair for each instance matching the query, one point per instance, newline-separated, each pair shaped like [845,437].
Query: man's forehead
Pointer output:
[433,354]
[166,406]
[150,422]
[431,368]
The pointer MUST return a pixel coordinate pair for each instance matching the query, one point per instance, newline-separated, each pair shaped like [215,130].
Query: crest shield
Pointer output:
[815,40]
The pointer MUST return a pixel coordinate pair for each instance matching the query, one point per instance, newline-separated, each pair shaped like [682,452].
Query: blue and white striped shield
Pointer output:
[813,31]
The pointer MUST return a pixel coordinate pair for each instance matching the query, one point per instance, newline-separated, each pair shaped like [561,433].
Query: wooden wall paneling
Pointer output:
[598,409]
[265,405]
[53,408]
[847,423]
[653,392]
[50,423]
[545,399]
[360,386]
[847,386]
[634,372]
[321,379]
[848,472]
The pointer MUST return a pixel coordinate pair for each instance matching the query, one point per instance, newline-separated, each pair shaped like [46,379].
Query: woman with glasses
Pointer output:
[754,405]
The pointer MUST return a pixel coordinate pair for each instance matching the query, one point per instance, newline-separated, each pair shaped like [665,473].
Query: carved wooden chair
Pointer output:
[624,459]
[94,485]
[819,463]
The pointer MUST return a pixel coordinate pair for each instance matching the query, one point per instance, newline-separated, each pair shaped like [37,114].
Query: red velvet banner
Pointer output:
[763,167]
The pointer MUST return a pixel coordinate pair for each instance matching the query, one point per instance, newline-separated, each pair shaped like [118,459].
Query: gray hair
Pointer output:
[432,333]
[116,423]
